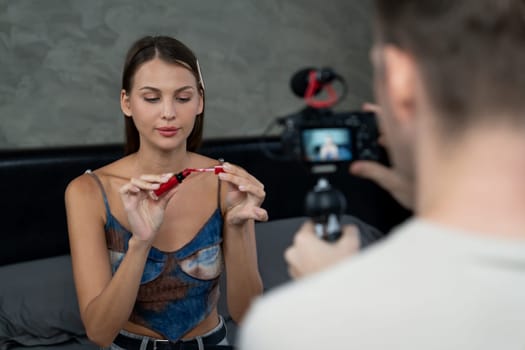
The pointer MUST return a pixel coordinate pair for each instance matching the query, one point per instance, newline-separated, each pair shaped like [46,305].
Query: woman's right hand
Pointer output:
[144,210]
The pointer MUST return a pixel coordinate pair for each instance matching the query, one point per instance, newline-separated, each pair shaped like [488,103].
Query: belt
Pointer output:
[130,343]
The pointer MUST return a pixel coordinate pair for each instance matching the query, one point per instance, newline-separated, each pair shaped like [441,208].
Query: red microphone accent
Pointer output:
[313,87]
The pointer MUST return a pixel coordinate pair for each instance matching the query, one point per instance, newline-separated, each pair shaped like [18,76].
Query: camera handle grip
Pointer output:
[325,204]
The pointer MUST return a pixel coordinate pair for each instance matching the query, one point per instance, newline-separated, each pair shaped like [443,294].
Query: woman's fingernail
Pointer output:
[166,177]
[260,213]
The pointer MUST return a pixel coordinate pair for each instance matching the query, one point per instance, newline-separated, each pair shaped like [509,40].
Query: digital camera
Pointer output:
[326,141]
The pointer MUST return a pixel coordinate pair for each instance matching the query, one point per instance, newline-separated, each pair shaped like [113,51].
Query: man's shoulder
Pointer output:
[408,273]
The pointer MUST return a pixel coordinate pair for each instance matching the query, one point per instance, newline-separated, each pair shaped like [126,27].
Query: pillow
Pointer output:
[38,304]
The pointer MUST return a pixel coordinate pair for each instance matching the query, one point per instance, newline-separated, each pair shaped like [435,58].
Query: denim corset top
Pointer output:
[178,289]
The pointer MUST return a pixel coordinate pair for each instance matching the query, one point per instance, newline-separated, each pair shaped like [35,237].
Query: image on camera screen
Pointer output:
[327,145]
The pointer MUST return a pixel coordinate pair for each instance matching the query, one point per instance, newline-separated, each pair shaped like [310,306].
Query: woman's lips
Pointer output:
[168,131]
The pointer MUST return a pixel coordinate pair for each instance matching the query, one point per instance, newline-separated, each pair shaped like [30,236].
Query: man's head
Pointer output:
[462,61]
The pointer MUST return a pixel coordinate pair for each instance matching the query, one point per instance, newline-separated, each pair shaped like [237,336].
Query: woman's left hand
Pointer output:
[244,196]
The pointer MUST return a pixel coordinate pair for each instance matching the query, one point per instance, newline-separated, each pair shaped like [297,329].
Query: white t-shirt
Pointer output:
[424,287]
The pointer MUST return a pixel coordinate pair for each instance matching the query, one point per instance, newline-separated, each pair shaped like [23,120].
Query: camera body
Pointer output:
[326,141]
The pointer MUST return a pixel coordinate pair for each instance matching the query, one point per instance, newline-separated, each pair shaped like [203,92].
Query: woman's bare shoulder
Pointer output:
[82,194]
[86,183]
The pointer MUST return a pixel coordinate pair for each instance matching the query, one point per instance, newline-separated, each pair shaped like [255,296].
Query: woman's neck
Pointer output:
[149,161]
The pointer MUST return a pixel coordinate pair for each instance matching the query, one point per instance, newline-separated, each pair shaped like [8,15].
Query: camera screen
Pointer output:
[327,145]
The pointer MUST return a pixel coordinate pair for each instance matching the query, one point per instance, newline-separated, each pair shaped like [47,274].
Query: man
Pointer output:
[450,79]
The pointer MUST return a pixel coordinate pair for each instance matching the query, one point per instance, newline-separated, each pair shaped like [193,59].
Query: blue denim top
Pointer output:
[177,289]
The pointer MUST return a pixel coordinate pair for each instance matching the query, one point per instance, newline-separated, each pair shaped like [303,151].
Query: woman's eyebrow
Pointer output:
[158,90]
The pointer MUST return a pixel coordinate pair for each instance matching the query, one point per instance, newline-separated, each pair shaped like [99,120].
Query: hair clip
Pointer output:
[200,74]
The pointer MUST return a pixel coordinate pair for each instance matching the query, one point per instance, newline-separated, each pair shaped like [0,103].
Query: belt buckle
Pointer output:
[155,341]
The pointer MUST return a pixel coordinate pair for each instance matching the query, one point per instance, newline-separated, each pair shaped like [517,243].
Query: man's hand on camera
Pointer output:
[401,188]
[309,254]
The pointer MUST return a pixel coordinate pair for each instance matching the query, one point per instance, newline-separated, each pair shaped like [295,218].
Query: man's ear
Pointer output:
[125,103]
[400,82]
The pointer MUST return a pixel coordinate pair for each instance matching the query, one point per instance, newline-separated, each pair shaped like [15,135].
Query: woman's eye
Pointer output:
[183,99]
[151,99]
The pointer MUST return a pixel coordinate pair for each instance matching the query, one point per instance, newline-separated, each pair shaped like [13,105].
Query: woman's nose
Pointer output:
[168,111]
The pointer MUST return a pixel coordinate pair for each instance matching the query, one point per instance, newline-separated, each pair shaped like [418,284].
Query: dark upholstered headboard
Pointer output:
[32,184]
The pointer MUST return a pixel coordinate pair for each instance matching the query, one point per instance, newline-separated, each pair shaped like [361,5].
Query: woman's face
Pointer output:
[164,101]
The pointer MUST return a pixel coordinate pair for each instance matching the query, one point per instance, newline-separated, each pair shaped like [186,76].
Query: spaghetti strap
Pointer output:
[104,196]
[221,160]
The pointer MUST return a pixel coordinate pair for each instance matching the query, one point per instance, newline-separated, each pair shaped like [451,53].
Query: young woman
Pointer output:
[147,267]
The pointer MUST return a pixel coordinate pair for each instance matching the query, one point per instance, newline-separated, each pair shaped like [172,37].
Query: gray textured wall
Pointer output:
[60,61]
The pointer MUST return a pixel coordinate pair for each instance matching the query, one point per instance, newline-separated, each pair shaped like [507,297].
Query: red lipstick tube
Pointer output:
[176,179]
